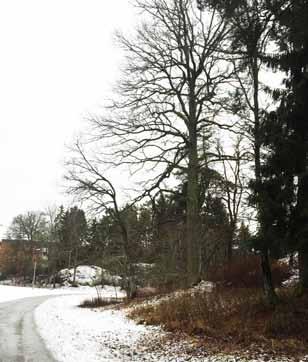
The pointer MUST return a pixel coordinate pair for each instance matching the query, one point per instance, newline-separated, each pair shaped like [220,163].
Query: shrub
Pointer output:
[166,282]
[290,317]
[234,316]
[197,312]
[245,272]
[146,292]
[99,302]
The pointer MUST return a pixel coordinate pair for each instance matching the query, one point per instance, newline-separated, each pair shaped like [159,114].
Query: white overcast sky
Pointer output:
[57,63]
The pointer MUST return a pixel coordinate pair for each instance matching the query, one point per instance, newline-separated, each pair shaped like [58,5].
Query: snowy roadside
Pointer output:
[8,293]
[77,334]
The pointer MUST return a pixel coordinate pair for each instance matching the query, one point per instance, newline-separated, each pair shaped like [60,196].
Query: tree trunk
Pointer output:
[300,230]
[54,280]
[302,234]
[130,285]
[230,242]
[291,260]
[303,266]
[268,287]
[193,218]
[75,265]
[302,221]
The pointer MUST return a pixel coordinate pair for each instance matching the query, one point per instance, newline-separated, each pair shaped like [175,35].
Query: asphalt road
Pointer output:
[19,339]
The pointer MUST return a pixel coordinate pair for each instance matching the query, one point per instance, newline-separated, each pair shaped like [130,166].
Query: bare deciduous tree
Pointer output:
[90,184]
[30,226]
[169,99]
[234,185]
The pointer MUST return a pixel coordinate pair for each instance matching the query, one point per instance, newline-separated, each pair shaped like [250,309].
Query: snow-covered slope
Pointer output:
[85,275]
[77,334]
[88,275]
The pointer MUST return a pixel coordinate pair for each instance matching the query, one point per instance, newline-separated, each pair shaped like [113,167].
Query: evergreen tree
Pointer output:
[72,233]
[286,135]
[250,24]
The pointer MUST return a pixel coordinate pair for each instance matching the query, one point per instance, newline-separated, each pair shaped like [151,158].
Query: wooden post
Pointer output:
[35,255]
[34,273]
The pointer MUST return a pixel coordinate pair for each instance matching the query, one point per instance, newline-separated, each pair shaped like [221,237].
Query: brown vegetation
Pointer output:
[231,319]
[99,302]
[15,260]
[245,272]
[146,292]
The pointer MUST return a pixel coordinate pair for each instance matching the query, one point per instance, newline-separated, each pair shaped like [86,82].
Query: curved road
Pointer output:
[19,339]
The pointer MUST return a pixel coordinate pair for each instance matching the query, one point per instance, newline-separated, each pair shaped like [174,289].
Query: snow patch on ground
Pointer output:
[106,335]
[8,293]
[83,335]
[102,335]
[293,280]
[75,334]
